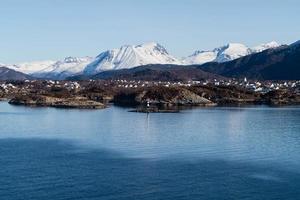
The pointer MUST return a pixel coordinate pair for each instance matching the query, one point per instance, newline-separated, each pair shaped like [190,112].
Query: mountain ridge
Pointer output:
[282,63]
[10,74]
[154,72]
[129,56]
[227,53]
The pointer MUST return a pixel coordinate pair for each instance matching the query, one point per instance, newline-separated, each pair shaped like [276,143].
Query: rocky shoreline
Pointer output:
[47,101]
[155,98]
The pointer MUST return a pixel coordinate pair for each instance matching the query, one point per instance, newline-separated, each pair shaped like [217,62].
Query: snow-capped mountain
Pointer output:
[129,56]
[232,51]
[226,53]
[31,67]
[52,69]
[63,68]
[201,57]
[266,46]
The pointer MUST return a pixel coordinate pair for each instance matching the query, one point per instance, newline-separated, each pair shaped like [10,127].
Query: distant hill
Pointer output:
[282,63]
[154,72]
[10,74]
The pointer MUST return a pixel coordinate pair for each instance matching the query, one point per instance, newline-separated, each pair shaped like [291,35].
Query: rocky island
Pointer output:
[49,101]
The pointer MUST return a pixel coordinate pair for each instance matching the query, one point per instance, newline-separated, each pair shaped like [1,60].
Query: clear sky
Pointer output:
[54,29]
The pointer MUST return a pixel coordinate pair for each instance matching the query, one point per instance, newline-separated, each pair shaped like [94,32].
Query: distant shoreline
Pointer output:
[148,96]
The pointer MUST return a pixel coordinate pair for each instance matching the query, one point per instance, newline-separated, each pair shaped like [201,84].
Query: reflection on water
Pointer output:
[207,153]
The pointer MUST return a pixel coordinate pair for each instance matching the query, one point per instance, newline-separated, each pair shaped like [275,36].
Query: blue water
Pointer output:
[207,153]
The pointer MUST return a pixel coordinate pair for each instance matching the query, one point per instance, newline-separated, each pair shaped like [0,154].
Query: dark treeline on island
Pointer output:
[152,96]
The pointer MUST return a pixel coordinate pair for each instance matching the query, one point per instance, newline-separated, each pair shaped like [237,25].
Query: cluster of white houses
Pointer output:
[257,86]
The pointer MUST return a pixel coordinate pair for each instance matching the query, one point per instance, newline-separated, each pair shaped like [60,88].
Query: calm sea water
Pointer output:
[208,153]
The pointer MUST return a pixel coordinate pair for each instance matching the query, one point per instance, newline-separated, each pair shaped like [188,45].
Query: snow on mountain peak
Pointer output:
[149,45]
[128,56]
[200,57]
[272,44]
[31,67]
[131,56]
[75,60]
[71,59]
[154,46]
[66,67]
[226,53]
[232,51]
[265,46]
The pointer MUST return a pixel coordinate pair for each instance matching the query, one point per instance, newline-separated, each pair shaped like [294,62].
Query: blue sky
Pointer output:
[54,29]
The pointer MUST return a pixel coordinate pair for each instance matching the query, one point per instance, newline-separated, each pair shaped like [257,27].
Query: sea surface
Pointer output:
[112,154]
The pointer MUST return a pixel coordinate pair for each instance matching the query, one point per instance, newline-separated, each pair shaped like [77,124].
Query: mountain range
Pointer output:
[226,53]
[281,63]
[224,61]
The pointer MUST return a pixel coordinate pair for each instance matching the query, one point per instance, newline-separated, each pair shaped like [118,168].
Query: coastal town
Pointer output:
[256,86]
[100,93]
[251,85]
